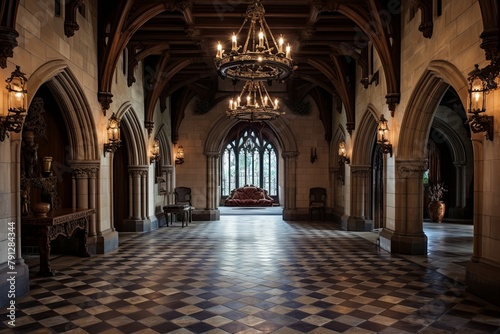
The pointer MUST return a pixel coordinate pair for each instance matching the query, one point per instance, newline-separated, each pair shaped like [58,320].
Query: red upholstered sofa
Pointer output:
[249,195]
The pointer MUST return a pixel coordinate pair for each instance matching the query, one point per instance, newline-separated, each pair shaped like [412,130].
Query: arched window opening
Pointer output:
[249,160]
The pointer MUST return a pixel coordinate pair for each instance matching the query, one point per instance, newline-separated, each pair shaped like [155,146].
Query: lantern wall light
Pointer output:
[155,151]
[113,131]
[11,119]
[382,140]
[343,158]
[179,155]
[481,82]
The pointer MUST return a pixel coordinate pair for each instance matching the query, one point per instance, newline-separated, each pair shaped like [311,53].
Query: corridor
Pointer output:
[254,274]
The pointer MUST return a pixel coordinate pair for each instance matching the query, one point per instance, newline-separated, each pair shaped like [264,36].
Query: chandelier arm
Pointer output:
[270,33]
[239,31]
[251,33]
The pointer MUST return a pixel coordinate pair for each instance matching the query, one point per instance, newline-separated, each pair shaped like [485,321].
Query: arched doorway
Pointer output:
[250,157]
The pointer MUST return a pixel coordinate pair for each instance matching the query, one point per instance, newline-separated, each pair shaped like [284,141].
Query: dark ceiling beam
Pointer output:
[161,84]
[135,58]
[123,24]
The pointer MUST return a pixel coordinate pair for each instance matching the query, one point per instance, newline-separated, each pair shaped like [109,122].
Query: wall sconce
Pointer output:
[11,120]
[179,156]
[343,158]
[480,84]
[113,130]
[314,155]
[155,151]
[382,141]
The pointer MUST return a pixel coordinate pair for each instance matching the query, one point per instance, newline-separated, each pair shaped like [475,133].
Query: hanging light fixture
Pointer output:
[155,151]
[382,140]
[254,104]
[11,119]
[113,130]
[481,82]
[343,158]
[261,57]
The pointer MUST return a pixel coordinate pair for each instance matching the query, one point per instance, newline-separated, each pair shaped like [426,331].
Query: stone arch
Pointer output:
[215,139]
[404,232]
[366,134]
[78,117]
[289,152]
[456,146]
[131,127]
[422,105]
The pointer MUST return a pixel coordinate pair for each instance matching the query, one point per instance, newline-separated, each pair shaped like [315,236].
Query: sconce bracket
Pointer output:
[179,161]
[111,147]
[482,123]
[344,160]
[154,159]
[11,123]
[386,148]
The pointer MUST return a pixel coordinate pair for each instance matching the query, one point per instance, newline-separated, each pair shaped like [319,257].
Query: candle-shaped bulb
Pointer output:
[287,55]
[234,42]
[231,104]
[275,103]
[261,38]
[280,44]
[265,101]
[219,50]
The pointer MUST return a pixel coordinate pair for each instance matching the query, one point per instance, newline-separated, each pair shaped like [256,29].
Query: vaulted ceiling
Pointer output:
[176,41]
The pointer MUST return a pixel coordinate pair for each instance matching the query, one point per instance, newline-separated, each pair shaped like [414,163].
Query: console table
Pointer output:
[57,222]
[184,210]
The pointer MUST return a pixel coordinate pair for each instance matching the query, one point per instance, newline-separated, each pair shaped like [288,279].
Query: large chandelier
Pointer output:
[254,104]
[261,58]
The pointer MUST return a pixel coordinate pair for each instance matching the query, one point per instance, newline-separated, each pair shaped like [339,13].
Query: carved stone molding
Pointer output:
[8,41]
[85,169]
[411,169]
[392,99]
[149,125]
[212,155]
[360,169]
[105,99]
[70,24]
[138,171]
[290,154]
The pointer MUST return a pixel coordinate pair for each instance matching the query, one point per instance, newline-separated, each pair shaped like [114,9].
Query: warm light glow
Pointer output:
[382,129]
[288,49]
[179,156]
[219,50]
[155,150]
[113,129]
[261,39]
[281,41]
[342,150]
[234,46]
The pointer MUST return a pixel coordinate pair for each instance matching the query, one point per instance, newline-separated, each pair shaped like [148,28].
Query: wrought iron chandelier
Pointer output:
[261,58]
[254,104]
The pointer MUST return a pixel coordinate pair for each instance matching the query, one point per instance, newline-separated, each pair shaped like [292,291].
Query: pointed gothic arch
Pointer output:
[60,79]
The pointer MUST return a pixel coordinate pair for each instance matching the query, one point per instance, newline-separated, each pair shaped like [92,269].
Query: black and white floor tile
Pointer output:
[249,275]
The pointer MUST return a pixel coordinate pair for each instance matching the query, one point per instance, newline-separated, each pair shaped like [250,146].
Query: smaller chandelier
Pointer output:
[254,104]
[261,57]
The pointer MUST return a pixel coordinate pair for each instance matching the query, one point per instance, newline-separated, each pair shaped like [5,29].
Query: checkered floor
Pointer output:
[247,274]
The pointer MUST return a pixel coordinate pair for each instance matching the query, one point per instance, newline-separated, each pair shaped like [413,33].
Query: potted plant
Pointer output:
[436,207]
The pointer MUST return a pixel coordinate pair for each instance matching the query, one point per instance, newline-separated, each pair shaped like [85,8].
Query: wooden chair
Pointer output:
[317,202]
[183,197]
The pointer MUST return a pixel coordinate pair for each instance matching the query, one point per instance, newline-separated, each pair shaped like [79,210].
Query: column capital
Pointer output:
[84,168]
[289,154]
[360,169]
[411,168]
[212,155]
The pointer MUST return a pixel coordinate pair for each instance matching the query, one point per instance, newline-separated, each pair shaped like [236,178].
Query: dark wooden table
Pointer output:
[57,222]
[184,210]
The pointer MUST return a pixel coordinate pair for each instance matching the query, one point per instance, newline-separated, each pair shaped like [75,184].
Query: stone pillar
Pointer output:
[357,219]
[458,210]
[337,202]
[483,269]
[85,192]
[138,220]
[211,212]
[290,175]
[407,236]
[168,174]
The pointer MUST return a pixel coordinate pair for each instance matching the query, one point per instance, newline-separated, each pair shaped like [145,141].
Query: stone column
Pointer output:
[290,174]
[85,196]
[168,174]
[336,198]
[211,212]
[138,196]
[407,236]
[357,219]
